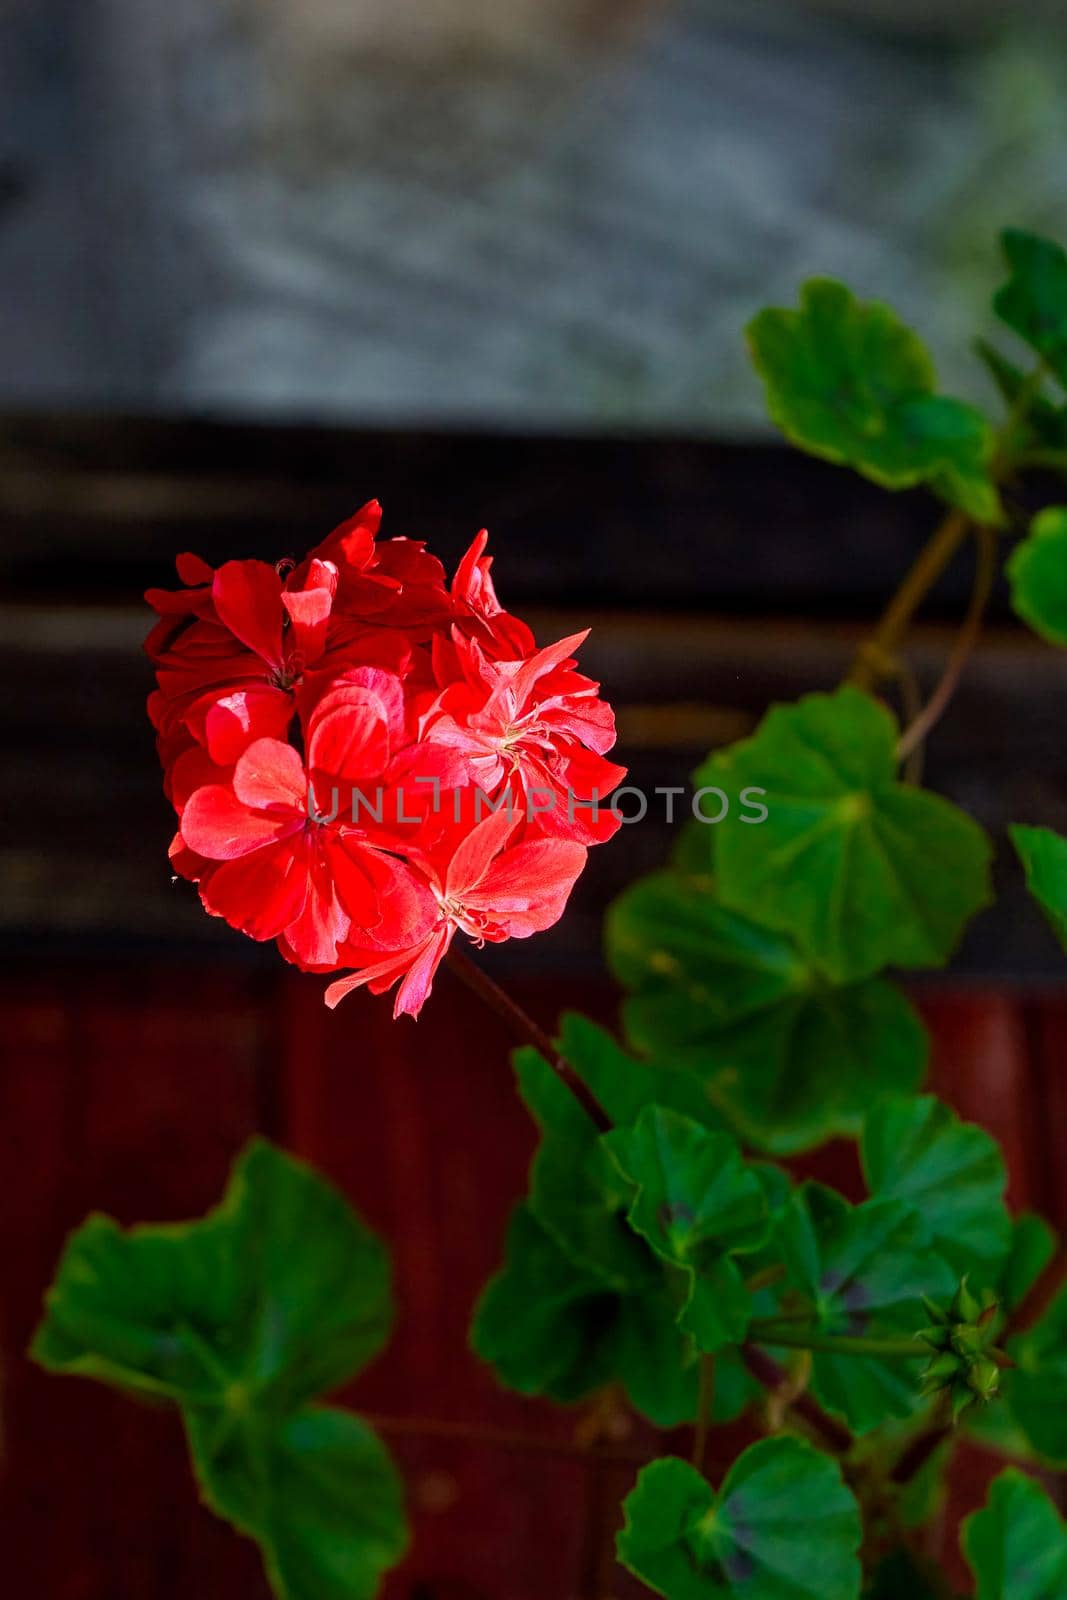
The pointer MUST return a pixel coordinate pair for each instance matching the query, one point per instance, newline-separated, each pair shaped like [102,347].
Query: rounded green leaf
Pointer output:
[697,1205]
[862,870]
[788,1057]
[1037,570]
[863,1271]
[848,381]
[282,1291]
[951,1173]
[1033,303]
[548,1327]
[1043,854]
[278,1294]
[316,1489]
[782,1527]
[1036,1389]
[1016,1545]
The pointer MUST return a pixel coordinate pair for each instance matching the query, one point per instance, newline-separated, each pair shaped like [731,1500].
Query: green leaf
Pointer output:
[697,1205]
[575,1189]
[278,1294]
[1043,854]
[1045,422]
[848,381]
[782,1527]
[623,1085]
[316,1489]
[549,1328]
[1036,1390]
[789,1058]
[862,870]
[1032,1247]
[949,1172]
[1037,570]
[863,1269]
[1017,1545]
[1033,302]
[1033,1244]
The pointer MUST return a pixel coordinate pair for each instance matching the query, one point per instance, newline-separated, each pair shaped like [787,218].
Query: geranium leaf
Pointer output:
[698,1206]
[548,1327]
[1036,1388]
[316,1489]
[1046,422]
[863,1270]
[790,1058]
[575,1189]
[1016,1545]
[1031,1248]
[1043,854]
[950,1172]
[1033,303]
[862,870]
[848,381]
[782,1527]
[277,1295]
[623,1085]
[1037,569]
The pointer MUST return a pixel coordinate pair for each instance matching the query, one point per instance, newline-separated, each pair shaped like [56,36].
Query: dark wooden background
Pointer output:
[143,1042]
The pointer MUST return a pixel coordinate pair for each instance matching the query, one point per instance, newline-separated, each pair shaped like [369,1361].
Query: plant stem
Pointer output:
[838,1344]
[875,658]
[833,1435]
[922,1447]
[705,1401]
[527,1029]
[985,573]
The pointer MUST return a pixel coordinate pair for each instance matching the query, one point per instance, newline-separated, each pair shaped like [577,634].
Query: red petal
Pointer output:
[193,569]
[351,741]
[238,719]
[271,774]
[261,893]
[247,596]
[216,824]
[529,875]
[475,853]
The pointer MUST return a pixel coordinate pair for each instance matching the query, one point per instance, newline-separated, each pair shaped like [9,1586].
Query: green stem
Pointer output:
[772,1332]
[498,1000]
[876,659]
[1043,460]
[984,577]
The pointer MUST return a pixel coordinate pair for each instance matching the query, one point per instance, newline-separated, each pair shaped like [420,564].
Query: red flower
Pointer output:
[480,883]
[537,726]
[330,732]
[284,873]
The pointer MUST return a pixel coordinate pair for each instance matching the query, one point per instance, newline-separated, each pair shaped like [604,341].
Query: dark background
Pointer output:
[488,264]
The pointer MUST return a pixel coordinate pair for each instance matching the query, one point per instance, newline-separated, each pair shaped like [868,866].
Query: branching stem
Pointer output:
[966,639]
[524,1026]
[773,1332]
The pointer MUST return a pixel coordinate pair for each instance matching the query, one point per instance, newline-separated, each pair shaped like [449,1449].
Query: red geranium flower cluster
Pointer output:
[365,760]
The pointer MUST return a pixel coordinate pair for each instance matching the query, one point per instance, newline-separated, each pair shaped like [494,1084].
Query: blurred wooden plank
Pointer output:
[86,853]
[101,504]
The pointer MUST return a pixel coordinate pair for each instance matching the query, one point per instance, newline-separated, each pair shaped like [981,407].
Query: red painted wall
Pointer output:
[129,1091]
